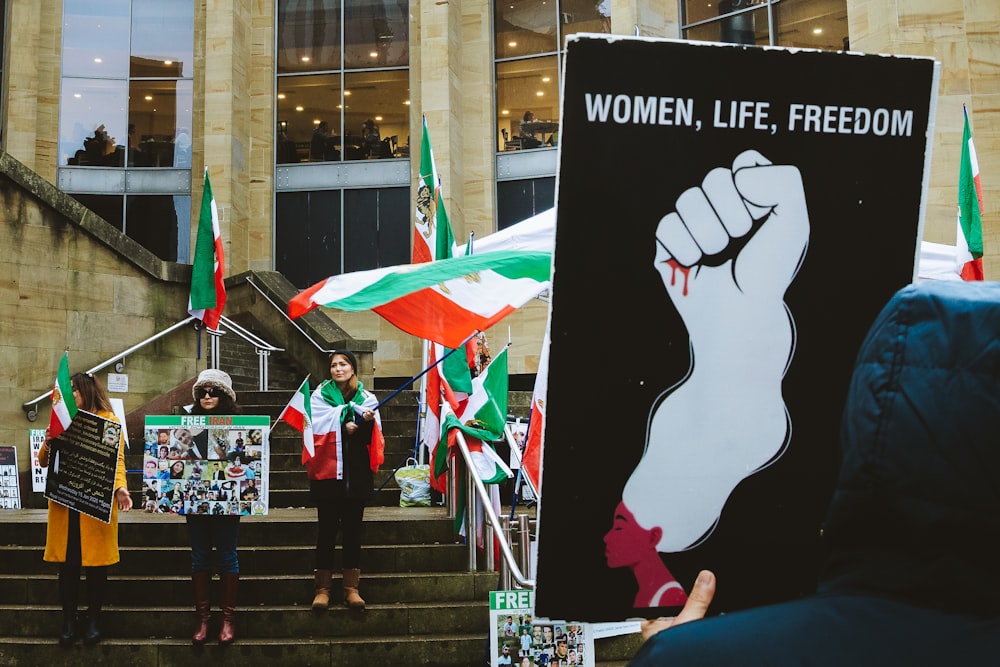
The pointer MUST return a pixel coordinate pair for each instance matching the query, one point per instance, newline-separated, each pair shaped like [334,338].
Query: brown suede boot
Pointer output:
[322,599]
[202,582]
[230,587]
[351,597]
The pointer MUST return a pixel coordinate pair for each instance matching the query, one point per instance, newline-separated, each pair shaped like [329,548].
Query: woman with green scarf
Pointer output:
[348,450]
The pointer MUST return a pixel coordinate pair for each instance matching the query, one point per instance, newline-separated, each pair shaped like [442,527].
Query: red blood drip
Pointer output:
[686,270]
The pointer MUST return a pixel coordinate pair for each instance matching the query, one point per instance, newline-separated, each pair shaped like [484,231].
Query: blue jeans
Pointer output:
[220,532]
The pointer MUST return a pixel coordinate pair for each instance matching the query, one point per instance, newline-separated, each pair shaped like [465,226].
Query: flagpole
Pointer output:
[424,372]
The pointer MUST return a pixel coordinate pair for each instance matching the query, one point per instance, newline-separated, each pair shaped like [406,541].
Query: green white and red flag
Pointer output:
[298,415]
[969,241]
[208,289]
[63,403]
[432,237]
[327,458]
[443,301]
[531,460]
[481,418]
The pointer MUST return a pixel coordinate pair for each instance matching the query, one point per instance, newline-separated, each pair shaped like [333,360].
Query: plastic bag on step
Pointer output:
[414,483]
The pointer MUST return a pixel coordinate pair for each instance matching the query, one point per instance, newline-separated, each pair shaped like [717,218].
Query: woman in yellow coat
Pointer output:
[77,541]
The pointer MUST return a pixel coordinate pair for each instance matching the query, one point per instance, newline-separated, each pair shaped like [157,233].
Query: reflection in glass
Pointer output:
[160,123]
[746,28]
[92,124]
[377,34]
[816,24]
[95,38]
[524,28]
[308,35]
[162,38]
[527,85]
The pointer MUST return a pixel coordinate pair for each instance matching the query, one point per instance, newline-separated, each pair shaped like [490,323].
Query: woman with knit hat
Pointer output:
[342,473]
[213,395]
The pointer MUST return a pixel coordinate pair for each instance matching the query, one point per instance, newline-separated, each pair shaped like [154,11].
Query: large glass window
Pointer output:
[338,231]
[528,43]
[342,102]
[329,113]
[520,199]
[126,103]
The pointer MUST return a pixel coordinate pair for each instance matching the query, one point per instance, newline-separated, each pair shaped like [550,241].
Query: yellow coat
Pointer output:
[98,540]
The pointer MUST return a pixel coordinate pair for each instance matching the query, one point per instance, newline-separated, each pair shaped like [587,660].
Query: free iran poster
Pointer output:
[730,220]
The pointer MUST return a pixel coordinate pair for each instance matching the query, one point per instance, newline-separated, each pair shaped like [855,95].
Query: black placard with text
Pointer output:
[730,220]
[82,465]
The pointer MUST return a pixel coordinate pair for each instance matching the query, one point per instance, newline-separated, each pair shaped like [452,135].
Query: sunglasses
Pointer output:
[207,392]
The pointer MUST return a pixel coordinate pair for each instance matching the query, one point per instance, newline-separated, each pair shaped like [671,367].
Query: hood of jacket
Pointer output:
[916,511]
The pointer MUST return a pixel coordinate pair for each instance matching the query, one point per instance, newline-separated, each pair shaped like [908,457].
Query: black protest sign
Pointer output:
[730,220]
[82,465]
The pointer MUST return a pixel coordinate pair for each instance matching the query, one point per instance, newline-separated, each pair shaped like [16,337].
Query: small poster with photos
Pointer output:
[10,490]
[520,640]
[211,465]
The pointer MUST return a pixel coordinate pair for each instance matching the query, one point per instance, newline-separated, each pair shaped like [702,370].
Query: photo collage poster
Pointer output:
[520,640]
[206,464]
[10,490]
[739,218]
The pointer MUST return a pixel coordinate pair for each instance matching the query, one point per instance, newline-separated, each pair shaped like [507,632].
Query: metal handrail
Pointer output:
[30,407]
[480,490]
[262,347]
[285,315]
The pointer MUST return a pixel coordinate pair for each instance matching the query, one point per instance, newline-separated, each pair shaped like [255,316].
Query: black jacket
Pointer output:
[913,576]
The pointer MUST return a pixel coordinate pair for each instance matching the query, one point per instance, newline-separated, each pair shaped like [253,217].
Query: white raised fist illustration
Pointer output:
[726,254]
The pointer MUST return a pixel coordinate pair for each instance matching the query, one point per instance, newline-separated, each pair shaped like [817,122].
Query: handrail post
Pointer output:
[524,543]
[451,492]
[262,358]
[470,515]
[488,512]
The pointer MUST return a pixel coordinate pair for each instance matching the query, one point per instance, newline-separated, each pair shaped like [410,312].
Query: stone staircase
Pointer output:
[424,606]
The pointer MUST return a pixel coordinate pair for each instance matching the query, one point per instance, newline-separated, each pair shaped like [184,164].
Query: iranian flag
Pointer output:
[531,462]
[432,237]
[298,415]
[969,243]
[208,291]
[482,419]
[63,402]
[443,301]
[327,459]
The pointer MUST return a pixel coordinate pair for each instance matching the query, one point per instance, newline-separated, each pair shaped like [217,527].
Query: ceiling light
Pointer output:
[299,108]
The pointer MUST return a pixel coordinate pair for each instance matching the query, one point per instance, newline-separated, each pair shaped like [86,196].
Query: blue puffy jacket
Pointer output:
[913,528]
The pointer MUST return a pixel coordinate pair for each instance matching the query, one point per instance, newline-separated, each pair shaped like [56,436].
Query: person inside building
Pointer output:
[910,577]
[349,449]
[76,541]
[528,138]
[214,395]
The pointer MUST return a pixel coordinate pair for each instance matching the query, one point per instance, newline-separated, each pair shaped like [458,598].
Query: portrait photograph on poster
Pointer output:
[747,232]
[206,464]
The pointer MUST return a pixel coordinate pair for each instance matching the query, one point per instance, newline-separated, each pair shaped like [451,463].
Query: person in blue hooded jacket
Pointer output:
[912,576]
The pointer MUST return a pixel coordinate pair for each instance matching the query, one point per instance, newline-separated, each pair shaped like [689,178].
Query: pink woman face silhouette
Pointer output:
[627,542]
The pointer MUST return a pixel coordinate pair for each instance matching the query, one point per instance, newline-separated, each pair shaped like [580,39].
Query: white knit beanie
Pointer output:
[216,378]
